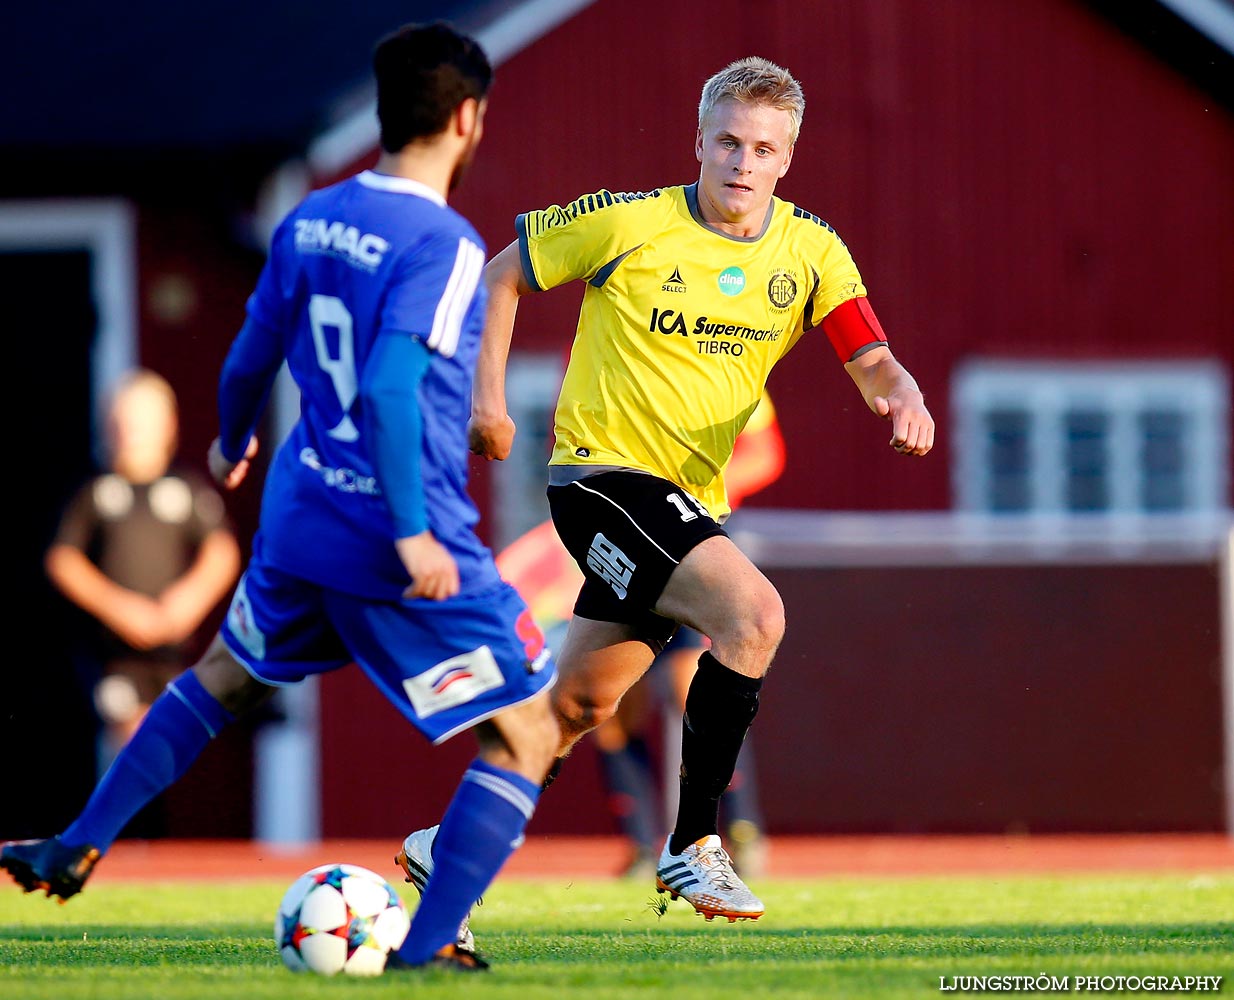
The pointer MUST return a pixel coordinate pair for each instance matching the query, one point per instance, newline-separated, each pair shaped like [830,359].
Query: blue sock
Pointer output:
[479,832]
[180,723]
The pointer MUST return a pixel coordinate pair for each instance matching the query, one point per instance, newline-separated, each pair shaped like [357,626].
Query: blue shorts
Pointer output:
[685,638]
[446,665]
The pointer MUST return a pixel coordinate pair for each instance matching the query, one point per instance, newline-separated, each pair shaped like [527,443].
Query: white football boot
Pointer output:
[416,860]
[703,876]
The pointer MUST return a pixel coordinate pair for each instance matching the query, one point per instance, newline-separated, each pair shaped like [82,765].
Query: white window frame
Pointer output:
[105,228]
[1048,391]
[533,381]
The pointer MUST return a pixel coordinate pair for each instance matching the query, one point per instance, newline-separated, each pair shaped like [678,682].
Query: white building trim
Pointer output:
[106,229]
[1214,18]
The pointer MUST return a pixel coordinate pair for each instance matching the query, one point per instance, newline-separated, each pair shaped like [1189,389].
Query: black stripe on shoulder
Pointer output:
[603,199]
[557,215]
[801,213]
[637,195]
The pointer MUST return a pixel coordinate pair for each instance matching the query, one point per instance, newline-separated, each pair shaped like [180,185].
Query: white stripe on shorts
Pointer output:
[579,484]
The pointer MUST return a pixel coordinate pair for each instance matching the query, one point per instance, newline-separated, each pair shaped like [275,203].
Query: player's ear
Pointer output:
[698,144]
[481,107]
[467,116]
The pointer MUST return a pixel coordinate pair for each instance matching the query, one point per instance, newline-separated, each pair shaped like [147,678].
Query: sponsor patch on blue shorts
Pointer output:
[446,665]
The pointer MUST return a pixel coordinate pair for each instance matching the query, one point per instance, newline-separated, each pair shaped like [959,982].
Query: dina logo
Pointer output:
[674,282]
[782,289]
[732,281]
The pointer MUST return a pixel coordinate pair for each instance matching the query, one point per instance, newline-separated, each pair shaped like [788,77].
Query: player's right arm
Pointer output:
[491,430]
[585,239]
[244,389]
[253,363]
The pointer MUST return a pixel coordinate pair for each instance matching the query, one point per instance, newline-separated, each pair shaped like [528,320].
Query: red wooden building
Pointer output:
[1041,199]
[1036,199]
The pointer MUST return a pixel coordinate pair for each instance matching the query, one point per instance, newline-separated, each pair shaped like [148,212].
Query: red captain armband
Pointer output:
[852,325]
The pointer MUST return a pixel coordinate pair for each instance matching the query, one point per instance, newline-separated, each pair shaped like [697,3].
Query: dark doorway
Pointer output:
[47,722]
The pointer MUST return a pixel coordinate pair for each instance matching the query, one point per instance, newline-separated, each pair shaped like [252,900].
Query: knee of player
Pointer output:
[580,712]
[222,676]
[534,740]
[758,624]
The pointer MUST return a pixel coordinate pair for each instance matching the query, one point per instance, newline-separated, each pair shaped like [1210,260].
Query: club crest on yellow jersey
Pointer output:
[782,289]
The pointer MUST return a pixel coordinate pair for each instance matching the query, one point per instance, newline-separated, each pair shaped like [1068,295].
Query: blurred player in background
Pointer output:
[366,548]
[692,295]
[146,551]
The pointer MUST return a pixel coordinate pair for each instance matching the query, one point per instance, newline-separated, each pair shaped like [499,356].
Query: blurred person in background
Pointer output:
[146,551]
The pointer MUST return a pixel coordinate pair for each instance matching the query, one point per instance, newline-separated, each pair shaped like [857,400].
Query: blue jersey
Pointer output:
[371,256]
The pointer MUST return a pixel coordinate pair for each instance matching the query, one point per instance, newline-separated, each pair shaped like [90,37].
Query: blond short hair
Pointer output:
[755,81]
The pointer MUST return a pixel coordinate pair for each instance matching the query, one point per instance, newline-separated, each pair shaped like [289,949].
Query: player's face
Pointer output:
[743,149]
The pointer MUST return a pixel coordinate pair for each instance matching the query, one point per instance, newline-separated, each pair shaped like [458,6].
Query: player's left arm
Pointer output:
[859,342]
[389,391]
[892,393]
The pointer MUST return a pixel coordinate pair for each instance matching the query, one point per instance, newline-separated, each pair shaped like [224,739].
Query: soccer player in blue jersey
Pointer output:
[366,549]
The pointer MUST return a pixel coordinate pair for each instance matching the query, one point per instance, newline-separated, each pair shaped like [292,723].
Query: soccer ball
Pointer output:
[340,918]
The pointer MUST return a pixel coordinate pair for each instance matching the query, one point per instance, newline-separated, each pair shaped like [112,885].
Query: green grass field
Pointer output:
[823,937]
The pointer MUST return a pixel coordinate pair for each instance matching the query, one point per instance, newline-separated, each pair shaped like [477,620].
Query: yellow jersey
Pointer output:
[679,327]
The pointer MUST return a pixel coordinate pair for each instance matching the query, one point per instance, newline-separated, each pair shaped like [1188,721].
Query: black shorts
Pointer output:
[628,531]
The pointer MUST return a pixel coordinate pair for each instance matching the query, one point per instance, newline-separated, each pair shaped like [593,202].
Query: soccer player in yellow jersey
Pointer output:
[693,294]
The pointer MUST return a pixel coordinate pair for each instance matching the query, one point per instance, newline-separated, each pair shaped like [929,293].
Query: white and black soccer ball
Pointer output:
[340,918]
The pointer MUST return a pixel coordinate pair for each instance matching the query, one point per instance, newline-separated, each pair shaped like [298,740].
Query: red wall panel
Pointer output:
[981,699]
[1013,180]
[995,699]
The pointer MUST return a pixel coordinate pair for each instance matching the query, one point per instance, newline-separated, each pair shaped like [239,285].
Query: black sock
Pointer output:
[720,706]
